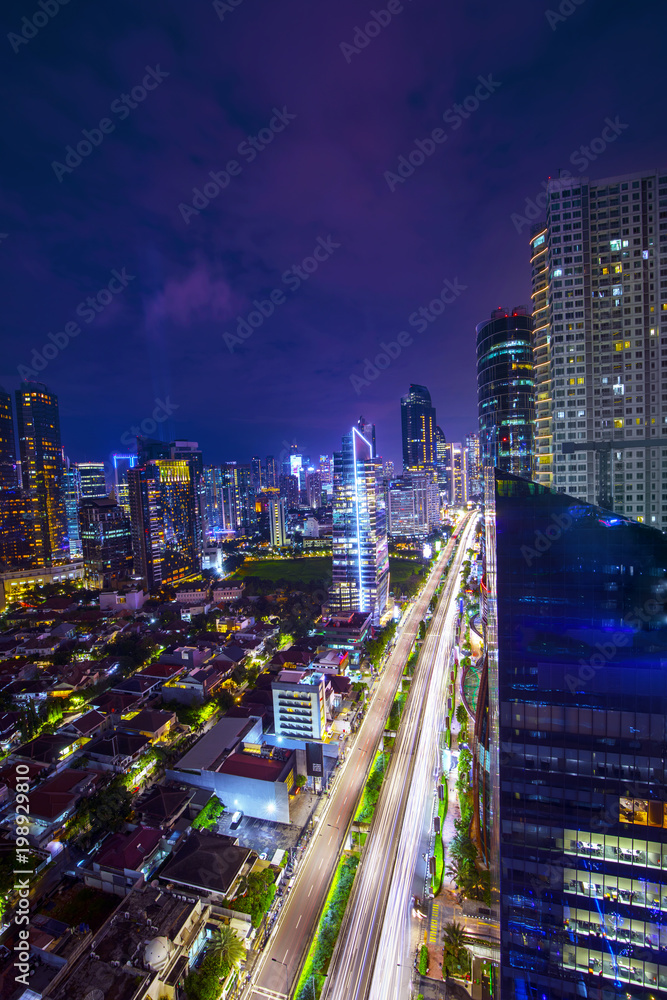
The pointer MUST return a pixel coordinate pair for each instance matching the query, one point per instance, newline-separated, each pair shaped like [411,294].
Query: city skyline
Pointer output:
[167,284]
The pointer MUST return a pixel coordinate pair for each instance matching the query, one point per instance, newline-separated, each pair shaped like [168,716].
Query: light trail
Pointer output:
[375,931]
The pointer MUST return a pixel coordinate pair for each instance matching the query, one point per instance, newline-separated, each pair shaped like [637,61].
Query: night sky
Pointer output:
[339,114]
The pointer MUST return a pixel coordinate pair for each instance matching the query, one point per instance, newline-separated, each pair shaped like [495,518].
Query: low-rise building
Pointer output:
[208,864]
[151,723]
[125,858]
[226,592]
[122,600]
[299,709]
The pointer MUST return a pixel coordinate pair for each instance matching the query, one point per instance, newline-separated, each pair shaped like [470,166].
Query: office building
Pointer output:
[20,541]
[121,465]
[442,464]
[276,512]
[92,484]
[182,555]
[147,524]
[230,496]
[313,489]
[256,473]
[570,745]
[360,552]
[8,477]
[289,490]
[457,473]
[106,541]
[506,391]
[402,513]
[418,428]
[38,426]
[214,503]
[474,466]
[600,310]
[298,705]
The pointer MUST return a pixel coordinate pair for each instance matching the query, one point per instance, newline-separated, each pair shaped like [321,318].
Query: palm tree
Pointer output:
[456,959]
[227,947]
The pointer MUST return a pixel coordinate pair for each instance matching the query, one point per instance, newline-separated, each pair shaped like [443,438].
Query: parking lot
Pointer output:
[266,837]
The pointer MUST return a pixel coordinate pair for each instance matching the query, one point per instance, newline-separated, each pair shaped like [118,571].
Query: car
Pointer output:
[236,820]
[263,856]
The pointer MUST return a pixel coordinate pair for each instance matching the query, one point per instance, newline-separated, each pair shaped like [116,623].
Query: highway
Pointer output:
[277,967]
[373,959]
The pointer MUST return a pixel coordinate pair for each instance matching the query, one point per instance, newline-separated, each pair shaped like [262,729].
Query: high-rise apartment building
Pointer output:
[256,473]
[570,745]
[121,465]
[506,391]
[418,428]
[442,464]
[474,464]
[182,555]
[276,513]
[38,426]
[600,309]
[360,551]
[106,541]
[8,477]
[71,498]
[313,488]
[214,504]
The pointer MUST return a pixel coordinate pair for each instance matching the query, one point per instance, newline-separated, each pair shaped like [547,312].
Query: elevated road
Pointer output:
[279,964]
[372,957]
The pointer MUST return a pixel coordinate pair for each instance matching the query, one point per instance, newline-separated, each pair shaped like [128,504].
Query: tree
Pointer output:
[227,947]
[456,959]
[301,781]
[461,715]
[204,983]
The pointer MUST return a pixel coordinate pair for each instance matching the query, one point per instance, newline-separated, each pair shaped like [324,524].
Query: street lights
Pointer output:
[278,962]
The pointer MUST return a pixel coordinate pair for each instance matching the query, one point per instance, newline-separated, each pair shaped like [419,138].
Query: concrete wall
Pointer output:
[261,799]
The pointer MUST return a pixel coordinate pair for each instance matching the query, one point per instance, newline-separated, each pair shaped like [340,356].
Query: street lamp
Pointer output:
[278,962]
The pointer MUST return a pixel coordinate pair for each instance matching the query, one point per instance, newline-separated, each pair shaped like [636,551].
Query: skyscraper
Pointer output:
[8,477]
[92,483]
[20,539]
[570,750]
[71,498]
[600,311]
[271,472]
[360,552]
[182,554]
[276,511]
[38,425]
[147,523]
[473,462]
[256,477]
[121,465]
[505,391]
[418,428]
[457,473]
[214,505]
[442,464]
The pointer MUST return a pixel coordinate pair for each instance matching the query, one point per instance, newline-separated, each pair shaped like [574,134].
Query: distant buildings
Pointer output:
[8,477]
[360,553]
[506,391]
[457,473]
[106,541]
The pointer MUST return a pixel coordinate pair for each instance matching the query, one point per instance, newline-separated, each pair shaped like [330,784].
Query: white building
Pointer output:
[277,522]
[299,705]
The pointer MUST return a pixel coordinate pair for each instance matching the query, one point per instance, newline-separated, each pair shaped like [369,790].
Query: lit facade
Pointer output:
[573,776]
[600,310]
[92,480]
[38,426]
[181,557]
[8,477]
[299,705]
[505,391]
[20,539]
[147,524]
[457,473]
[360,552]
[106,541]
[418,426]
[276,512]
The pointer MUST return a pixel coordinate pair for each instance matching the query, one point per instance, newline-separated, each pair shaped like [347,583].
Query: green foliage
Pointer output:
[322,948]
[258,896]
[204,983]
[132,650]
[423,960]
[456,958]
[104,812]
[227,947]
[461,715]
[396,711]
[371,790]
[376,647]
[208,817]
[422,630]
[439,855]
[301,781]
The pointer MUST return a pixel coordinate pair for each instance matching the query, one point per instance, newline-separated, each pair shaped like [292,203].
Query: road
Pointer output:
[373,957]
[281,959]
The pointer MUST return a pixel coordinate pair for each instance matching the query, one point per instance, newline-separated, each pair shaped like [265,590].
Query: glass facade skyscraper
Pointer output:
[505,389]
[360,549]
[418,429]
[571,750]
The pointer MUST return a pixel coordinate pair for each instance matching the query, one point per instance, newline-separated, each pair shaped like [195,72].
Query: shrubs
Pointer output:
[423,960]
[259,894]
[208,817]
[371,791]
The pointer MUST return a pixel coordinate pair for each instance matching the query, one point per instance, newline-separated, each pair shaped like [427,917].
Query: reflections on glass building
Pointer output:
[573,798]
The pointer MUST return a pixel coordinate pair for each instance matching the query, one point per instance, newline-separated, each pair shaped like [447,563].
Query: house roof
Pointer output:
[246,765]
[89,722]
[45,748]
[163,804]
[216,744]
[206,861]
[61,792]
[128,850]
[149,721]
[118,744]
